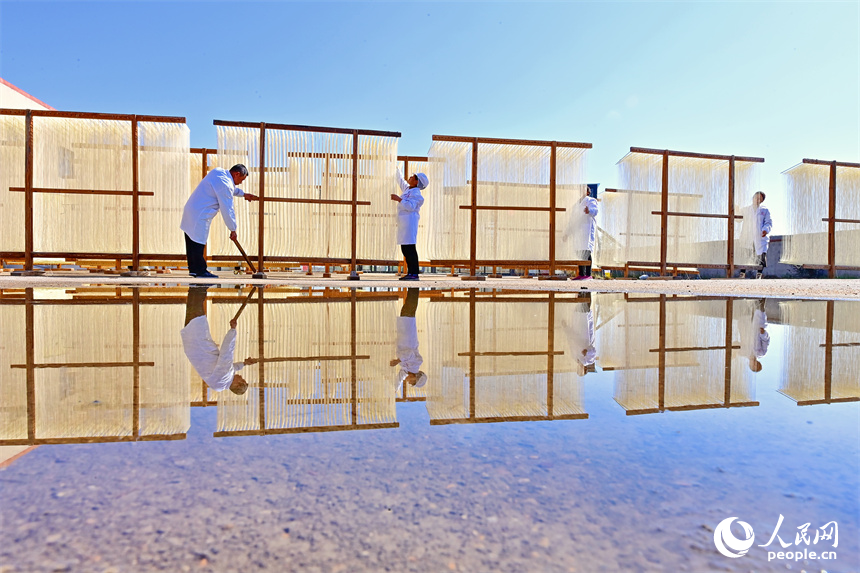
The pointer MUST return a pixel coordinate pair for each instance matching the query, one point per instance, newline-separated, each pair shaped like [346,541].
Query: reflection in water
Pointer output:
[112,365]
[822,351]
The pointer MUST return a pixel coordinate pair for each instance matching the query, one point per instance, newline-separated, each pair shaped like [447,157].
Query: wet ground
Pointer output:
[642,422]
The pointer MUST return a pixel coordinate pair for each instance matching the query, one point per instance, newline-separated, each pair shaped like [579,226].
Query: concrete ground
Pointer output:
[780,288]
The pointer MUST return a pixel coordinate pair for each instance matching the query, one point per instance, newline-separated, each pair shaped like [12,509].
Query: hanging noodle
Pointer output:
[13,382]
[12,147]
[318,390]
[311,165]
[805,350]
[630,232]
[508,175]
[808,192]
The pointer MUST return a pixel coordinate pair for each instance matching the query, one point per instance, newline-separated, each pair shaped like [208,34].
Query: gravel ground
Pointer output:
[779,288]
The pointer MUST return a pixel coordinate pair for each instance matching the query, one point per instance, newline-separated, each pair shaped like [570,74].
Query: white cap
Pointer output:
[422,180]
[422,378]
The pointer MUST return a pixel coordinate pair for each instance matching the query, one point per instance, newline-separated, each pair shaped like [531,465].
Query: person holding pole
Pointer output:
[756,228]
[409,203]
[214,364]
[214,193]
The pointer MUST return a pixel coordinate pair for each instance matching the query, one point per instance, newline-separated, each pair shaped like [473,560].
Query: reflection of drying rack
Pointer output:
[351,298]
[473,354]
[828,346]
[663,350]
[31,366]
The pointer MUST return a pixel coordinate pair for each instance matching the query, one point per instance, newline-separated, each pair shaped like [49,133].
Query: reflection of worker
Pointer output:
[407,344]
[214,365]
[580,337]
[214,193]
[580,230]
[407,220]
[755,343]
[756,230]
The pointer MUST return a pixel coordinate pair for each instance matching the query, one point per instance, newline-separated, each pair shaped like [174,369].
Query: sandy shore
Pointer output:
[779,288]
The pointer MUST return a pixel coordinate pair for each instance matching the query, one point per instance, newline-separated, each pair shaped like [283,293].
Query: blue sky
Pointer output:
[779,80]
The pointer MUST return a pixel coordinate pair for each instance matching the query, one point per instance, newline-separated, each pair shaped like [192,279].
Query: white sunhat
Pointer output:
[423,181]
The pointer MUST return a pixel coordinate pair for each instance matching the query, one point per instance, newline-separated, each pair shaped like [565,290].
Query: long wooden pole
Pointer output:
[261,219]
[552,181]
[661,364]
[353,345]
[353,274]
[831,223]
[727,397]
[28,194]
[550,356]
[135,324]
[135,196]
[473,222]
[664,214]
[30,335]
[261,352]
[472,383]
[730,241]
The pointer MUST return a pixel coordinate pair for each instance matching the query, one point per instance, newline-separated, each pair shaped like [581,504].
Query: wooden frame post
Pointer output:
[30,334]
[473,230]
[831,224]
[261,218]
[353,349]
[472,383]
[553,155]
[353,274]
[730,241]
[550,355]
[135,202]
[727,396]
[261,352]
[135,325]
[28,269]
[664,214]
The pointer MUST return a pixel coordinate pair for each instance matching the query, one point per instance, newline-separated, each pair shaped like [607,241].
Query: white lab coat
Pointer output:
[214,193]
[580,335]
[756,220]
[581,226]
[407,347]
[761,340]
[214,365]
[407,213]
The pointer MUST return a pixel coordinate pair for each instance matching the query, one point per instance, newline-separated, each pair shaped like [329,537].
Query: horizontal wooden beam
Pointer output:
[82,191]
[313,201]
[306,430]
[522,353]
[841,221]
[838,163]
[496,419]
[497,141]
[204,150]
[691,348]
[509,208]
[313,358]
[695,155]
[520,264]
[92,115]
[310,128]
[412,158]
[86,365]
[658,193]
[701,215]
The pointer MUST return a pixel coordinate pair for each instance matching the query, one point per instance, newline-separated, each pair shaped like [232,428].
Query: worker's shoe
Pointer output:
[758,275]
[581,278]
[409,278]
[742,275]
[204,275]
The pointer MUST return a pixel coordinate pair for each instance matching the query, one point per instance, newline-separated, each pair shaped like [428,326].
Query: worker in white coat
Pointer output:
[214,193]
[754,336]
[578,327]
[581,231]
[755,232]
[408,357]
[214,364]
[409,205]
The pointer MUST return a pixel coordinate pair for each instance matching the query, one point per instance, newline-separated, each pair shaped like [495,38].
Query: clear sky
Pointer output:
[779,80]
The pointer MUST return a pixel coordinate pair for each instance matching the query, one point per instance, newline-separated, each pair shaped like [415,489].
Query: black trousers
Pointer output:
[195,304]
[585,270]
[410,253]
[410,305]
[762,261]
[194,255]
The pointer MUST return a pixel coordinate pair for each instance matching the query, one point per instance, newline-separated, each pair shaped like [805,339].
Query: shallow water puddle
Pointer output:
[209,429]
